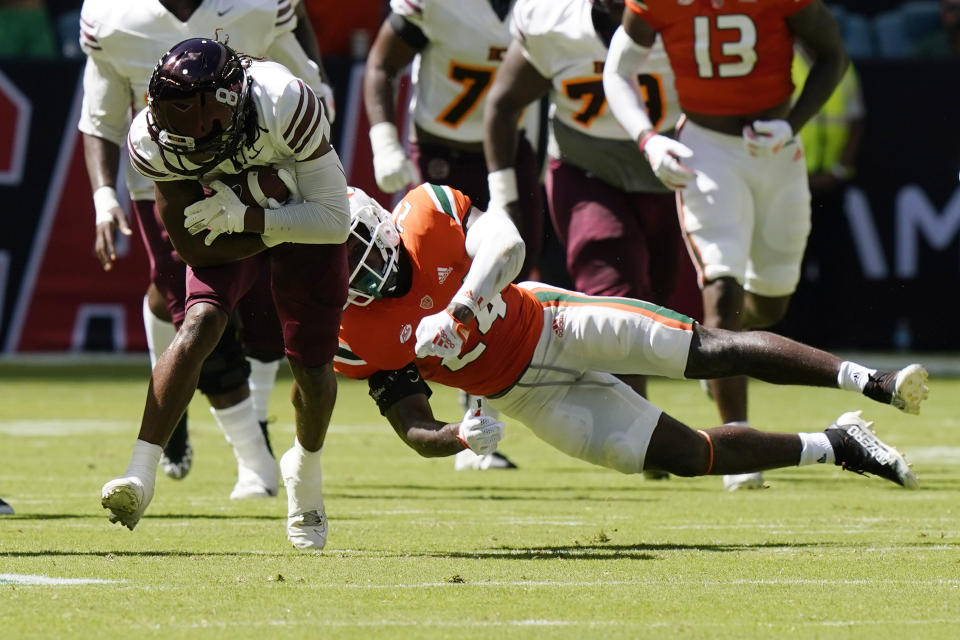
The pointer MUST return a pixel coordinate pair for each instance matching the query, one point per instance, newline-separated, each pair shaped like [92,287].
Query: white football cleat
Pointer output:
[252,483]
[857,448]
[467,460]
[905,389]
[308,529]
[306,516]
[126,498]
[734,482]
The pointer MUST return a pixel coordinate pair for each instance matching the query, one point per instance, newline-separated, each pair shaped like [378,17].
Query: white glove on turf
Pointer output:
[480,433]
[440,335]
[220,213]
[392,168]
[664,155]
[766,137]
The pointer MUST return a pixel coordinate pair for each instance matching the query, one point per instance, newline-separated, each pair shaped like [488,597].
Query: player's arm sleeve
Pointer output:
[497,250]
[324,215]
[106,102]
[624,59]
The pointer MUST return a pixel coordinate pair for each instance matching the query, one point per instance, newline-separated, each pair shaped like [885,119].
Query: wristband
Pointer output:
[645,139]
[383,136]
[105,199]
[467,300]
[462,330]
[503,187]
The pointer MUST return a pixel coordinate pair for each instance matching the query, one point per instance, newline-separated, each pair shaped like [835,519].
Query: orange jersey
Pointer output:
[382,335]
[731,59]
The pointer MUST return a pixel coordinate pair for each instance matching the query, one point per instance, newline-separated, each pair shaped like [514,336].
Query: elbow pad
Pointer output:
[323,217]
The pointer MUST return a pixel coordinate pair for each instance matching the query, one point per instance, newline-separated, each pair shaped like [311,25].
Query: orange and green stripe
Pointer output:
[660,314]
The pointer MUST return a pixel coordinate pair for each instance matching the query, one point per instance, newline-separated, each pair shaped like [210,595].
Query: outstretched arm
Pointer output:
[403,398]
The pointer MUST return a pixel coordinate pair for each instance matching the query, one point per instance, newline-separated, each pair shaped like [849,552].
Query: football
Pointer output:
[256,185]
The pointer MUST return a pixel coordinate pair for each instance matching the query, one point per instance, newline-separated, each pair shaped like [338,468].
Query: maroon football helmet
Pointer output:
[199,106]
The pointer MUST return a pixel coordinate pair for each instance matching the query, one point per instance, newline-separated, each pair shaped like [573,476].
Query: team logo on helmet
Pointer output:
[199,108]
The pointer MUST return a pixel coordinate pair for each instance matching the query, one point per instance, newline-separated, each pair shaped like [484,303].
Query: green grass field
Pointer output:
[555,549]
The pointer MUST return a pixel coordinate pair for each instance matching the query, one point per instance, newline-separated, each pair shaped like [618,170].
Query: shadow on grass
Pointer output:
[158,553]
[600,551]
[152,516]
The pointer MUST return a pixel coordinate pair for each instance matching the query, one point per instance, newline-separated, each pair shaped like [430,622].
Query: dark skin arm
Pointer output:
[516,85]
[816,28]
[388,56]
[102,158]
[174,197]
[412,419]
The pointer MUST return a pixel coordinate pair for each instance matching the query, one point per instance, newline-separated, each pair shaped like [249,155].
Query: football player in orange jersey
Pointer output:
[431,298]
[736,164]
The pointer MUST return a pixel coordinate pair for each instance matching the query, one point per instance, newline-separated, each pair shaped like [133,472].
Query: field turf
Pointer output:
[555,549]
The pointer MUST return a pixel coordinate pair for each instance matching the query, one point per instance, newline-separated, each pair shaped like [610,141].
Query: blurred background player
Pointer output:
[212,111]
[615,219]
[542,354]
[456,49]
[739,169]
[5,509]
[123,44]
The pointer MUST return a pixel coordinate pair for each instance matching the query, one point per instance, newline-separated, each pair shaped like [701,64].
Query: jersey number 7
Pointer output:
[475,81]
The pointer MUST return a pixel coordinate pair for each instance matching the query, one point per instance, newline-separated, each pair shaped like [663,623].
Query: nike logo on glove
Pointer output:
[220,14]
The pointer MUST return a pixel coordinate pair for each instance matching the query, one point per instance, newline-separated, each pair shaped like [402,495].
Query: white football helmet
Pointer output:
[372,273]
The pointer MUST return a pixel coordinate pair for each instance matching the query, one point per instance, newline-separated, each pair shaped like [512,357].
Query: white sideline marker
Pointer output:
[19,578]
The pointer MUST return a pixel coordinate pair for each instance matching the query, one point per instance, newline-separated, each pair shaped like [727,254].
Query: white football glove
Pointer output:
[440,335]
[766,137]
[665,155]
[480,433]
[220,213]
[392,168]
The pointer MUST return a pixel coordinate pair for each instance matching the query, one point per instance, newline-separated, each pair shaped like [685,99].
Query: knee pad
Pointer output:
[225,369]
[624,452]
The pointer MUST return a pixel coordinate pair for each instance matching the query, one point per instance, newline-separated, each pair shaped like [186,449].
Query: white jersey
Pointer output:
[451,76]
[290,120]
[560,42]
[124,41]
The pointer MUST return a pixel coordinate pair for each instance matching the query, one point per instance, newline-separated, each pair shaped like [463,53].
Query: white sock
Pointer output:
[736,423]
[263,375]
[242,431]
[816,449]
[852,376]
[160,333]
[144,461]
[303,478]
